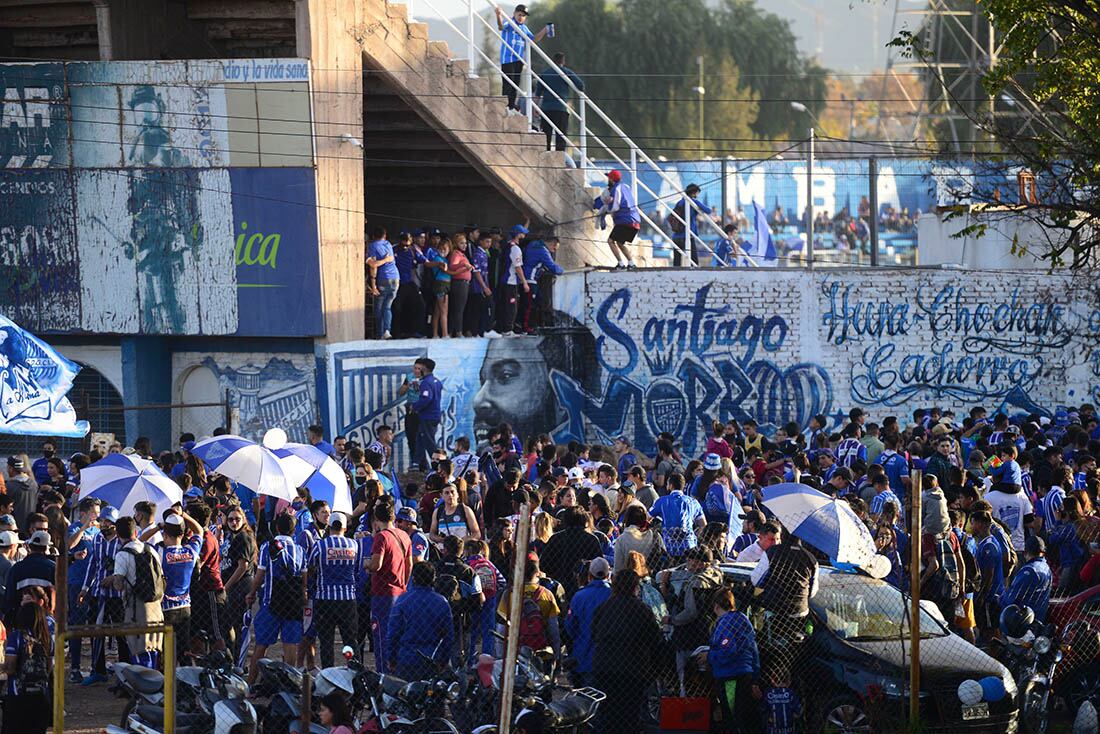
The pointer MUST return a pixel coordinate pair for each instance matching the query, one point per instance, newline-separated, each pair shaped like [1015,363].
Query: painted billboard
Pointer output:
[183,199]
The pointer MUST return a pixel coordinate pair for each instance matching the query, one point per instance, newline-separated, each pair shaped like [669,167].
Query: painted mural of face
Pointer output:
[515,388]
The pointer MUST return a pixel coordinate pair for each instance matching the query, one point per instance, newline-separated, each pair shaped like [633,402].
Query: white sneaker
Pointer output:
[506,334]
[512,112]
[492,334]
[386,335]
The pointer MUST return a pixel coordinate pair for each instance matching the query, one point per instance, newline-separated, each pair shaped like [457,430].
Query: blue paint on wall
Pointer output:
[33,116]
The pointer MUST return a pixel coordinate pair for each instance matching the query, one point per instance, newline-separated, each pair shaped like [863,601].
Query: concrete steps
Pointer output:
[471,114]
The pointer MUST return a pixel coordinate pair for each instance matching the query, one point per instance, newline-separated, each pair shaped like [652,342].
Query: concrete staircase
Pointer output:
[402,64]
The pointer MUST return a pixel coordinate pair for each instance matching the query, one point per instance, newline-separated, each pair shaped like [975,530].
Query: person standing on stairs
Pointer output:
[513,48]
[618,201]
[553,93]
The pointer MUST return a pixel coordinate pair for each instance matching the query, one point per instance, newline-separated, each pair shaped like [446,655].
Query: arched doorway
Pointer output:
[95,400]
[198,387]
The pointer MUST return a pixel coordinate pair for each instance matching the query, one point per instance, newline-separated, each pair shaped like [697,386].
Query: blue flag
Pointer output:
[34,380]
[761,248]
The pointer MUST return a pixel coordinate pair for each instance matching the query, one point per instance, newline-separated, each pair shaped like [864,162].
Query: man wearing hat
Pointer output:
[514,280]
[81,536]
[618,201]
[333,563]
[21,488]
[421,546]
[37,569]
[178,557]
[1030,585]
[513,48]
[582,611]
[9,546]
[106,599]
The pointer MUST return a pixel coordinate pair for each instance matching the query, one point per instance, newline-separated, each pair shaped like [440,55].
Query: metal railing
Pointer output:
[586,136]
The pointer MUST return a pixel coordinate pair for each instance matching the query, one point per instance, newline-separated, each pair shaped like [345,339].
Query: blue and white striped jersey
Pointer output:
[101,564]
[334,561]
[278,559]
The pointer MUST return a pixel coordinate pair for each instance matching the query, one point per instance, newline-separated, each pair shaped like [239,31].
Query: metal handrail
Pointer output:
[586,162]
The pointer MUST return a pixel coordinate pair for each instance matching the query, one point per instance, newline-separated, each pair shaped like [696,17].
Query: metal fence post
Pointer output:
[527,74]
[584,136]
[914,591]
[872,178]
[168,645]
[471,52]
[61,604]
[228,413]
[810,201]
[515,604]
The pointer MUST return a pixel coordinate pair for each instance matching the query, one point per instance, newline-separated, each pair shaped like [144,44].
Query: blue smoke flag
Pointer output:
[761,248]
[34,380]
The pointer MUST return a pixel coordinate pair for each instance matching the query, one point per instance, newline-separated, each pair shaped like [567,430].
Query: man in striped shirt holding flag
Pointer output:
[333,563]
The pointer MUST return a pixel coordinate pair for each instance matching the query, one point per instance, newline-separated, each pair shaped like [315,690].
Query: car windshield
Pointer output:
[860,608]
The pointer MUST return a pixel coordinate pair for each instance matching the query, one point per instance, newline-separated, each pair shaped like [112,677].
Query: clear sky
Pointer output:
[851,33]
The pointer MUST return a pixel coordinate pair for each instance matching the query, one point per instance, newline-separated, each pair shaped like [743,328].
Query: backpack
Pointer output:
[488,575]
[677,224]
[459,593]
[148,576]
[944,584]
[33,671]
[532,625]
[286,590]
[970,563]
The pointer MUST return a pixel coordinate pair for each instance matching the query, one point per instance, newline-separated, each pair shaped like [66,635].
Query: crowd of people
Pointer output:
[621,574]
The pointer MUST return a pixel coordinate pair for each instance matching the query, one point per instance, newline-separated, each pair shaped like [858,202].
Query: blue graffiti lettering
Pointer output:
[620,298]
[848,320]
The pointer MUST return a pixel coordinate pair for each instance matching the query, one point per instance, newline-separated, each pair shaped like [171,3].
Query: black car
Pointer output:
[852,671]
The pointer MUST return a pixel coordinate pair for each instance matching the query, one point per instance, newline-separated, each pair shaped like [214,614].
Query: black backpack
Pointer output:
[677,224]
[970,563]
[286,590]
[32,674]
[148,575]
[944,586]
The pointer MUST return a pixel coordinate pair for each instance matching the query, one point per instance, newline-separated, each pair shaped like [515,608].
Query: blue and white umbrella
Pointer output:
[122,481]
[823,522]
[309,467]
[248,463]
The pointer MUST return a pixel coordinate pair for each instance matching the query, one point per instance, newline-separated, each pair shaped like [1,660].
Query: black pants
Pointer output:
[408,311]
[208,612]
[473,318]
[28,713]
[740,711]
[412,427]
[235,607]
[526,302]
[677,258]
[456,306]
[560,118]
[507,316]
[512,70]
[327,616]
[620,713]
[108,611]
[180,621]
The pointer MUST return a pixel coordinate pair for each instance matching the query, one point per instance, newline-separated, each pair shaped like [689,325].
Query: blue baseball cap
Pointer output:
[519,229]
[193,492]
[187,446]
[108,513]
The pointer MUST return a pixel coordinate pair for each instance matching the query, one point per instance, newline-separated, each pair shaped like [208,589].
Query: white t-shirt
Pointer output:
[1010,509]
[751,554]
[515,260]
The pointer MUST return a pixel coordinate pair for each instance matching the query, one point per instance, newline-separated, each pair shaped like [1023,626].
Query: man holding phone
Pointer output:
[513,50]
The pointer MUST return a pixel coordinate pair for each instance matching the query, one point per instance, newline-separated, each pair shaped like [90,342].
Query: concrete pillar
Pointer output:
[131,29]
[147,380]
[328,33]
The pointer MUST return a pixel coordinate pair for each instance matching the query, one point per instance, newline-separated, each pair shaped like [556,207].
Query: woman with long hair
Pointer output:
[502,545]
[647,590]
[333,713]
[441,290]
[600,508]
[238,565]
[28,703]
[461,272]
[541,530]
[197,470]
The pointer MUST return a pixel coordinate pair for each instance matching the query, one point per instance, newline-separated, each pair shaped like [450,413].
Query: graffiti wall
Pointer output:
[265,391]
[159,197]
[777,347]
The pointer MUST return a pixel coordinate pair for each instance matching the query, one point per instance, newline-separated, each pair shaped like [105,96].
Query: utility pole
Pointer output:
[702,91]
[810,202]
[872,171]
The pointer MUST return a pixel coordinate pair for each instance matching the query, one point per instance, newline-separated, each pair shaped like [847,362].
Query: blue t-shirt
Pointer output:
[178,562]
[378,250]
[408,260]
[78,569]
[441,274]
[479,258]
[896,468]
[1030,587]
[1008,472]
[678,513]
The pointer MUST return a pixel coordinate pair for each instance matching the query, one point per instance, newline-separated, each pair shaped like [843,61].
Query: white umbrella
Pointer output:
[248,463]
[122,481]
[309,467]
[825,523]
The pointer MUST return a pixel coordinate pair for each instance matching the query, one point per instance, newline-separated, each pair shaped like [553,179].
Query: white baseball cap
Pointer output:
[337,520]
[8,539]
[174,519]
[40,538]
[576,473]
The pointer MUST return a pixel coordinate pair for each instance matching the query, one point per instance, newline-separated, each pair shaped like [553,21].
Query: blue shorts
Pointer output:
[267,629]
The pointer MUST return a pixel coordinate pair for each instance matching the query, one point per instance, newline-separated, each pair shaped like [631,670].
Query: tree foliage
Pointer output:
[639,61]
[1043,84]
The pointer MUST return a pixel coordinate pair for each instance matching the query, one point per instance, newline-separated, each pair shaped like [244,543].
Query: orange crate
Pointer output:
[685,714]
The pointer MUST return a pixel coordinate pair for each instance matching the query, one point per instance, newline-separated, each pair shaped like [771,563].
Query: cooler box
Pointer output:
[685,714]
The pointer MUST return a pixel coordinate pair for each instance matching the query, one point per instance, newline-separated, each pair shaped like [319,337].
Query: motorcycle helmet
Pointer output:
[1016,620]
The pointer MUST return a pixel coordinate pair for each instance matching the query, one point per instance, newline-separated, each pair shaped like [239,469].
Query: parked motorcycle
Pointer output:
[1031,652]
[569,715]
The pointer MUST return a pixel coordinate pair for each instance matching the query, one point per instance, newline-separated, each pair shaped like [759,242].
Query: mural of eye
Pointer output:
[666,407]
[797,393]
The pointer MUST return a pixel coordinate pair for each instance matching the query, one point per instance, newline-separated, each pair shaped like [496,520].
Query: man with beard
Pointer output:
[515,380]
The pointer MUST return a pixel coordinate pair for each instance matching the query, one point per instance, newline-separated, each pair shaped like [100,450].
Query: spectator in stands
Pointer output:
[618,201]
[384,280]
[441,289]
[685,219]
[538,266]
[428,410]
[419,627]
[553,94]
[582,610]
[475,320]
[515,281]
[515,36]
[461,271]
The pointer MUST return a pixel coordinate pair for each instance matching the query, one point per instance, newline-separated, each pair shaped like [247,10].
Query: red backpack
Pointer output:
[532,625]
[487,572]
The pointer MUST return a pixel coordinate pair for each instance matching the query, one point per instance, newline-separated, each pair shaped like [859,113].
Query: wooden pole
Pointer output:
[914,589]
[511,649]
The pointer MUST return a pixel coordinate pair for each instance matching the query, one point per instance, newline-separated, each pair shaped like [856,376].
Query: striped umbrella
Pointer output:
[821,521]
[248,463]
[245,641]
[122,481]
[309,467]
